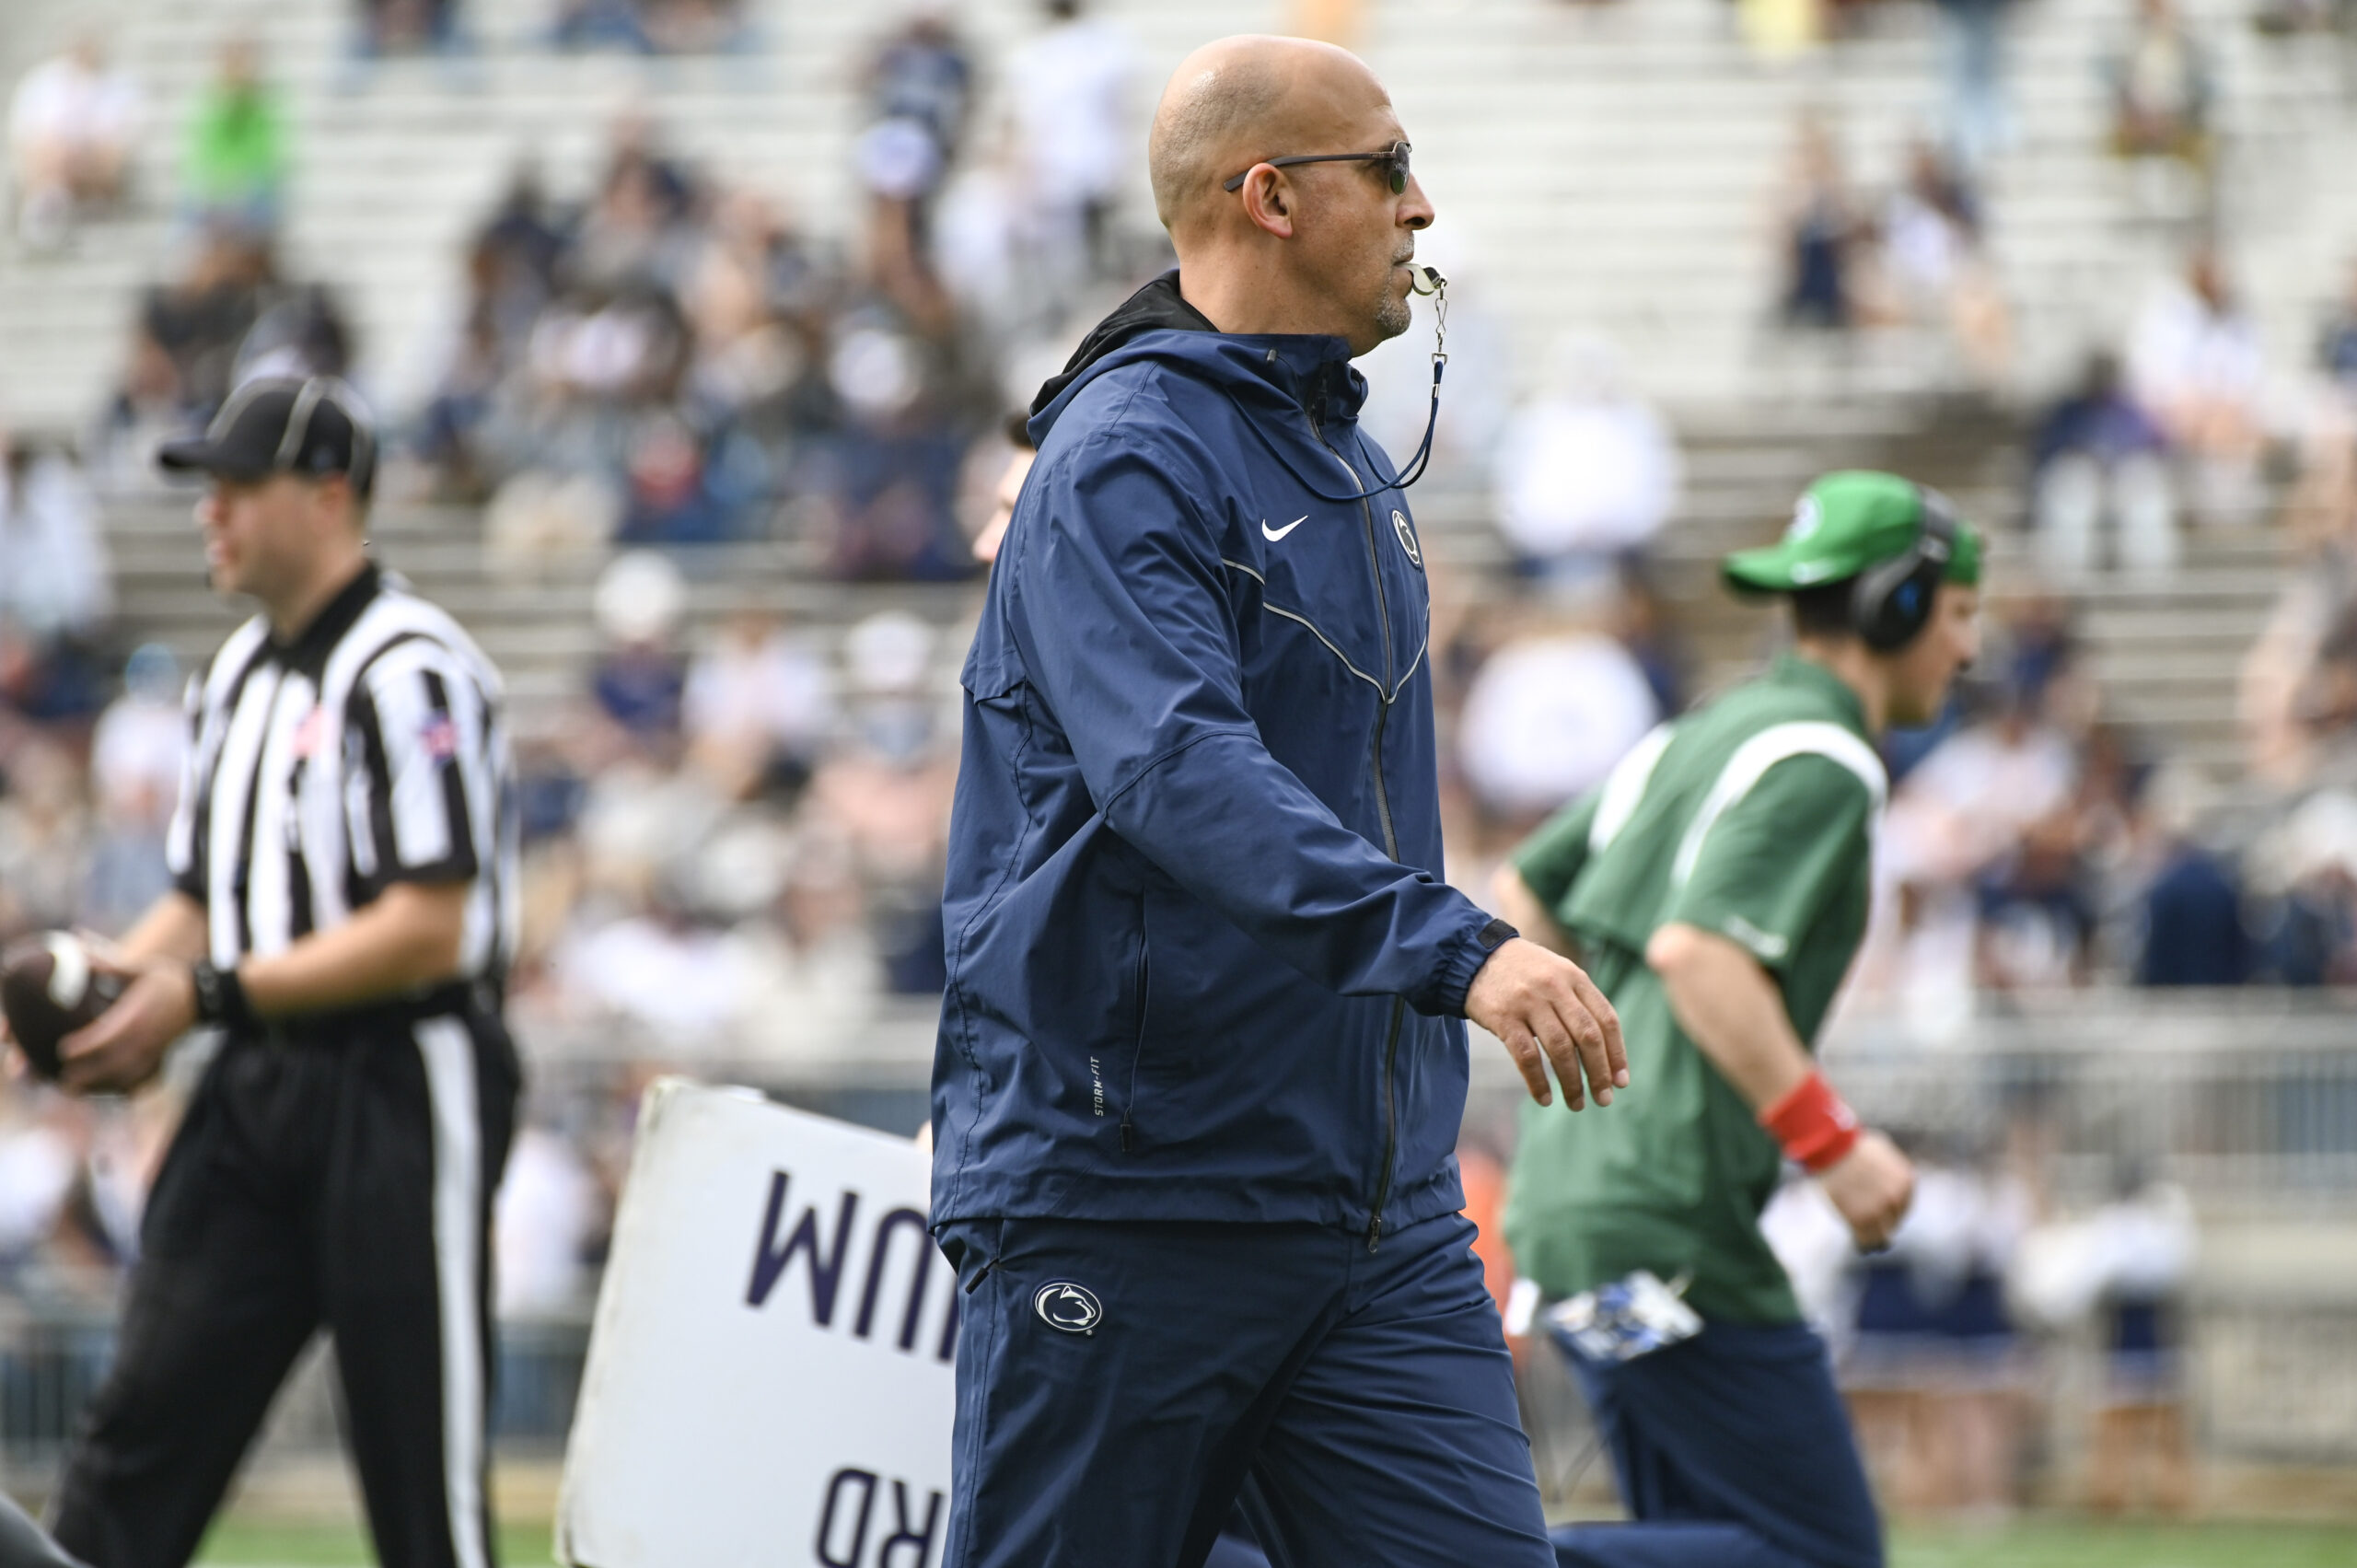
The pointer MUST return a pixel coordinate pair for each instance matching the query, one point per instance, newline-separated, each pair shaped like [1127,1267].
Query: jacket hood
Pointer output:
[1156,323]
[1158,306]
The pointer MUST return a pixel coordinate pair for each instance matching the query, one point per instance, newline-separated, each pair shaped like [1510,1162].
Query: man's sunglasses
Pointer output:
[1394,160]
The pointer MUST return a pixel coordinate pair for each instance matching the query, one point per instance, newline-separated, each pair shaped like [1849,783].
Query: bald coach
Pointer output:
[1202,1060]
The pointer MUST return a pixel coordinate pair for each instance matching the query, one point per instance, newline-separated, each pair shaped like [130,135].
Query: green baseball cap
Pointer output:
[1844,523]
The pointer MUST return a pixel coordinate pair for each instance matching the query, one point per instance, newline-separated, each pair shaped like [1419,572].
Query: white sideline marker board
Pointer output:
[770,1379]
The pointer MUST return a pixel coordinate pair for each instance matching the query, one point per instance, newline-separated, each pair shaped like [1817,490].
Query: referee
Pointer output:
[343,909]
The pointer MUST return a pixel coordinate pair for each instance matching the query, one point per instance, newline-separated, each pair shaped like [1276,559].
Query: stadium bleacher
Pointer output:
[1631,198]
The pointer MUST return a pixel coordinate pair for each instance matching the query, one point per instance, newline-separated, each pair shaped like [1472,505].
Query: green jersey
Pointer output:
[1751,818]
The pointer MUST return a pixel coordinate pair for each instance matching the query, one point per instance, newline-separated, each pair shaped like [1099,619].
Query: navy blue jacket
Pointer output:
[1201,965]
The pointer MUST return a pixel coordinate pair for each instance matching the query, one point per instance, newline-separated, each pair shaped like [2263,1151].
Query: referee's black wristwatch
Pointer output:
[221,997]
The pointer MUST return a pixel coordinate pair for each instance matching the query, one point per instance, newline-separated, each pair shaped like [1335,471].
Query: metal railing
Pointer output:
[52,1361]
[2247,1100]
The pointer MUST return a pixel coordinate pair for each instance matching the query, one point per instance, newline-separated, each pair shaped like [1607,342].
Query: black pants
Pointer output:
[343,1183]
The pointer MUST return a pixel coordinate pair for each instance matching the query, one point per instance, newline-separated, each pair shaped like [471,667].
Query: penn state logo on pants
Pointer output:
[1068,1306]
[1407,539]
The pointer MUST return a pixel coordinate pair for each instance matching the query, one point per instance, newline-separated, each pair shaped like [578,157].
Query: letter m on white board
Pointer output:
[823,1259]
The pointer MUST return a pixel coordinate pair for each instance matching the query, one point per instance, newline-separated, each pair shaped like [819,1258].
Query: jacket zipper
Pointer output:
[1390,842]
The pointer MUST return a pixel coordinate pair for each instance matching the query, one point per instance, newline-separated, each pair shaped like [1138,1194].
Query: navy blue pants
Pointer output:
[1121,1388]
[1732,1451]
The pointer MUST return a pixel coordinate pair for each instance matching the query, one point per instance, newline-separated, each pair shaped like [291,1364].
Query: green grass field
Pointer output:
[2032,1543]
[248,1544]
[2073,1543]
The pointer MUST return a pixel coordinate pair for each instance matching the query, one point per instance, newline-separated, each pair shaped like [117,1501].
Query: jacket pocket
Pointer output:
[1145,982]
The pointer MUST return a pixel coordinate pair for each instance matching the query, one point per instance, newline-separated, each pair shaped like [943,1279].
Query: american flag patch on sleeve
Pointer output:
[439,738]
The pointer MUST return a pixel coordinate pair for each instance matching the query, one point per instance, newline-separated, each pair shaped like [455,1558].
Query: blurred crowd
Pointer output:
[734,826]
[739,848]
[2034,842]
[74,129]
[1953,1344]
[667,382]
[2009,1322]
[671,362]
[382,27]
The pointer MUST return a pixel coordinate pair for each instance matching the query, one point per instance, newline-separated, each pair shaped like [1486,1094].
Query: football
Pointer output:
[48,989]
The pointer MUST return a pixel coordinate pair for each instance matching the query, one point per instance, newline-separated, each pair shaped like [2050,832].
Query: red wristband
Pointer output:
[1813,1125]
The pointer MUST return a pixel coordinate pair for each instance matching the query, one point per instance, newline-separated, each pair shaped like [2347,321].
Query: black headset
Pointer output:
[1892,600]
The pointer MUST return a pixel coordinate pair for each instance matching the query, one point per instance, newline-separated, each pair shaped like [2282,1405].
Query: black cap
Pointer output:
[313,427]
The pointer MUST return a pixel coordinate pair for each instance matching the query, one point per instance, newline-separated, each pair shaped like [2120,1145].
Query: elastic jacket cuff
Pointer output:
[1466,957]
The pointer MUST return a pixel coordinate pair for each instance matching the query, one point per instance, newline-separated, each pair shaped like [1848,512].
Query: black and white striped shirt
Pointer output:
[368,751]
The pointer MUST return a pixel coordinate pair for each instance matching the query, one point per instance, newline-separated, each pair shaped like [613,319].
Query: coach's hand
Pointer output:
[1872,1185]
[1545,1008]
[123,1047]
